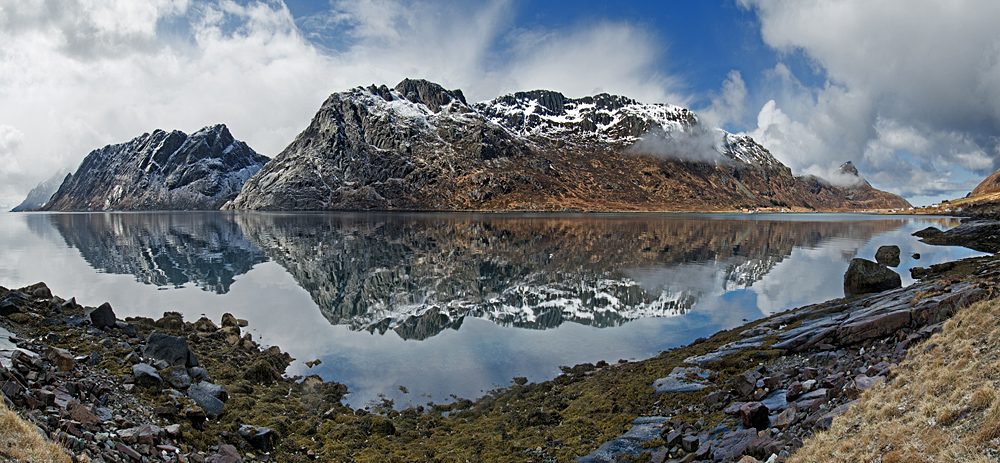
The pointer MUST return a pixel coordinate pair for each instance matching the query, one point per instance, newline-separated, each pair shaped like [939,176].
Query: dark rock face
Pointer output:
[146,375]
[419,146]
[171,349]
[864,276]
[103,316]
[41,194]
[887,255]
[160,171]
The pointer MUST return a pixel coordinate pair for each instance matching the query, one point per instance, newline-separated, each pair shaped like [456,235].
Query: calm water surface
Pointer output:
[454,304]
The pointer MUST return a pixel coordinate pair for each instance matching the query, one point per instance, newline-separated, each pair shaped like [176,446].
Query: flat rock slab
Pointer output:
[7,348]
[644,429]
[679,380]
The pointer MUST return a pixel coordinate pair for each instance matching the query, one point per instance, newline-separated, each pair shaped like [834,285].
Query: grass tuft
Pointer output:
[21,441]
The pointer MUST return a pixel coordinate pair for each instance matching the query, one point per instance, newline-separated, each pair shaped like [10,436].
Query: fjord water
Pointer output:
[454,304]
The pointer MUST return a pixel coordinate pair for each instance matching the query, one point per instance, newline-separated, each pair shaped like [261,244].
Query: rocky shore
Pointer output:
[143,390]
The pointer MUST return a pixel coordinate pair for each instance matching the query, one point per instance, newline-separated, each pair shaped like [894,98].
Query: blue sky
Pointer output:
[909,90]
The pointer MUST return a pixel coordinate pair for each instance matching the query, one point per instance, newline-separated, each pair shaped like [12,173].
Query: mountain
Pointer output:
[419,146]
[41,194]
[855,193]
[990,185]
[160,171]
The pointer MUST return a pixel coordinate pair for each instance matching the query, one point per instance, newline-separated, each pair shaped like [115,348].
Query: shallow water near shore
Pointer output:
[419,307]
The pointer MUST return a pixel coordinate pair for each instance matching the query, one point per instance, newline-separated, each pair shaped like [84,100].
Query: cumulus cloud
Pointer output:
[729,104]
[912,88]
[698,143]
[76,75]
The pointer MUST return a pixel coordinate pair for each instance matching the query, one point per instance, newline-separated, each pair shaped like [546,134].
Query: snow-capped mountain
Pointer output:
[419,146]
[161,170]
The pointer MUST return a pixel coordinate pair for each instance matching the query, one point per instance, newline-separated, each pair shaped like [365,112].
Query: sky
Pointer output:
[908,90]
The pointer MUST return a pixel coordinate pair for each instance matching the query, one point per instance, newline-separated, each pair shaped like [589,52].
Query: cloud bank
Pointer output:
[911,92]
[76,75]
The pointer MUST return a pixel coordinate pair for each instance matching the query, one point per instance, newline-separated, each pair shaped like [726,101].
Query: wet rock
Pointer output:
[146,375]
[887,255]
[864,276]
[260,438]
[171,349]
[102,317]
[208,402]
[755,415]
[679,380]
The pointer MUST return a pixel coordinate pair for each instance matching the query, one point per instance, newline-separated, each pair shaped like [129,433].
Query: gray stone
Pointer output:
[178,377]
[679,380]
[887,255]
[146,375]
[215,390]
[171,349]
[212,405]
[102,317]
[864,276]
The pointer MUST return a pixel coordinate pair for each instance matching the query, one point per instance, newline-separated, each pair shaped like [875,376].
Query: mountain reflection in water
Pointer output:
[419,274]
[168,249]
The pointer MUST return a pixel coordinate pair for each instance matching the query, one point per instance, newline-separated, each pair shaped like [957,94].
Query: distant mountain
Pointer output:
[419,146]
[855,193]
[161,171]
[41,194]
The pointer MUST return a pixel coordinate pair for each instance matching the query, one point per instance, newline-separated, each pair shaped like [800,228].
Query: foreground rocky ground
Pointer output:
[172,390]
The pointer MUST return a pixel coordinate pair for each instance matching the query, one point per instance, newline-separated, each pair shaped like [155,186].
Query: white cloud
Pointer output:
[920,77]
[729,105]
[76,75]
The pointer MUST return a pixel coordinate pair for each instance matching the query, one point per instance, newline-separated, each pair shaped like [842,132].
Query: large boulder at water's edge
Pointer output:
[864,276]
[887,255]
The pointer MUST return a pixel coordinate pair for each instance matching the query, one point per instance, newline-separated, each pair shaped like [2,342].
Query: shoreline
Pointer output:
[588,408]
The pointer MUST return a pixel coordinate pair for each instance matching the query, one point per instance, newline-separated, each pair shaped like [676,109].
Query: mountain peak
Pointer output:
[848,168]
[428,93]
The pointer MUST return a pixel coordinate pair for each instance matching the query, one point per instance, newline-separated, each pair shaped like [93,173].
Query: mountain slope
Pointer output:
[419,146]
[989,185]
[41,194]
[856,194]
[160,171]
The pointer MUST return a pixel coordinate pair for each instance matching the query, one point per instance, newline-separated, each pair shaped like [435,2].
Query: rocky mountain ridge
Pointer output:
[419,146]
[160,171]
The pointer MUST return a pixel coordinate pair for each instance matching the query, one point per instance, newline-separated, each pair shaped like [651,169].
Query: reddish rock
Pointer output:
[755,415]
[786,418]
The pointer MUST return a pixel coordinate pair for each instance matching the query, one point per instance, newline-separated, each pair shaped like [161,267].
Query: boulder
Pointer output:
[171,349]
[178,377]
[146,375]
[215,390]
[61,358]
[260,438]
[887,255]
[864,276]
[755,415]
[229,320]
[102,317]
[208,402]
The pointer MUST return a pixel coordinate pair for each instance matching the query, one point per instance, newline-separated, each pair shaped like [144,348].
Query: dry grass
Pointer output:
[942,407]
[20,441]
